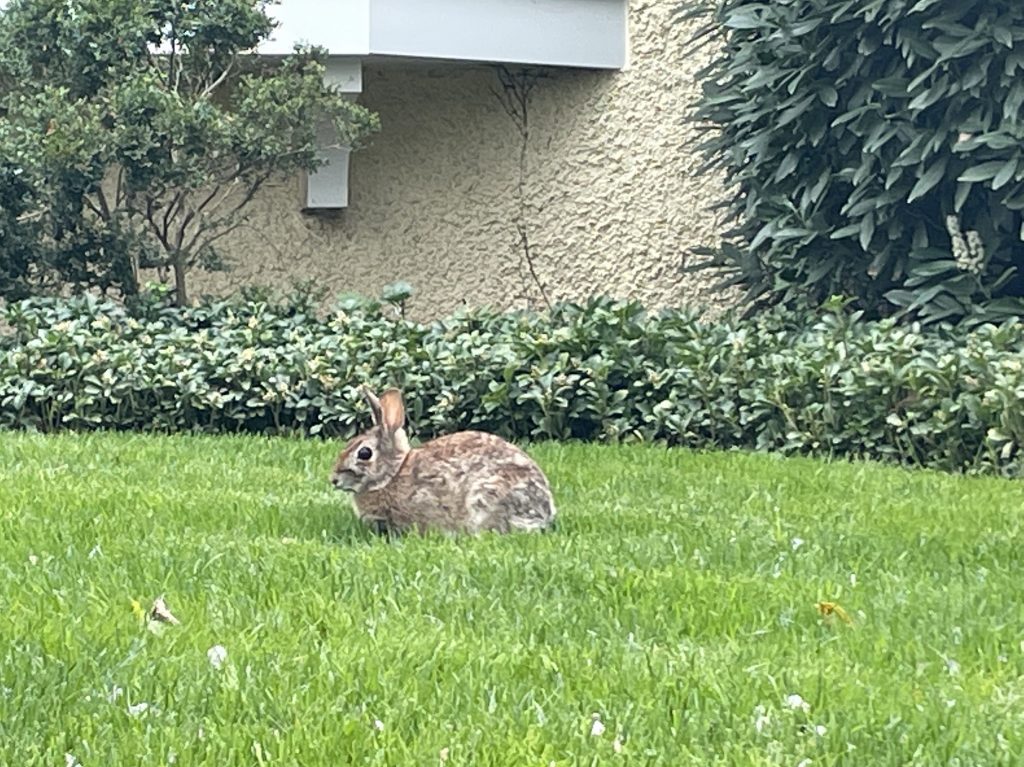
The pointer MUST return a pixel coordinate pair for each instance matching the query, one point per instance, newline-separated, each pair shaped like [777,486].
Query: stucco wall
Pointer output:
[613,197]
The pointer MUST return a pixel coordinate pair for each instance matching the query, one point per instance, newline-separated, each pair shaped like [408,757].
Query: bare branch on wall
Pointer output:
[516,90]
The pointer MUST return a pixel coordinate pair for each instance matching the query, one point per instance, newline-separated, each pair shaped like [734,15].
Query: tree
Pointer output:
[142,130]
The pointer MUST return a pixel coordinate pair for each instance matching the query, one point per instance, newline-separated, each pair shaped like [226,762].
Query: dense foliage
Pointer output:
[138,132]
[838,385]
[875,148]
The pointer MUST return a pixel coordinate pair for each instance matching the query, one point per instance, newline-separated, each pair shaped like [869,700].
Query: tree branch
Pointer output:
[228,219]
[220,80]
[514,97]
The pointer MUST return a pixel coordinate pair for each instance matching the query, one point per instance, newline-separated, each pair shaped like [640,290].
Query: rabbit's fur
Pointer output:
[469,481]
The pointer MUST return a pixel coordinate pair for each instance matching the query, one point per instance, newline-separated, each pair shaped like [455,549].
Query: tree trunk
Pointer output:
[180,290]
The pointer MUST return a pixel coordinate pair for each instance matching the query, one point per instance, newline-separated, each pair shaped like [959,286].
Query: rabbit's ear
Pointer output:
[374,403]
[392,410]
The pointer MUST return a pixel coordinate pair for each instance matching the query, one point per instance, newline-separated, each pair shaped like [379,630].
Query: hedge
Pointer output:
[836,385]
[873,148]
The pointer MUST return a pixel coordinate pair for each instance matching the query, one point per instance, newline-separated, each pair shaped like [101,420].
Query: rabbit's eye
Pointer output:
[364,454]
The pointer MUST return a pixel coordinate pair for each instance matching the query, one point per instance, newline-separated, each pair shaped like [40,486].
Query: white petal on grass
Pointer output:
[95,551]
[34,560]
[952,667]
[796,703]
[218,655]
[71,761]
[378,725]
[115,693]
[804,763]
[820,730]
[597,726]
[853,579]
[617,746]
[796,543]
[761,719]
[138,709]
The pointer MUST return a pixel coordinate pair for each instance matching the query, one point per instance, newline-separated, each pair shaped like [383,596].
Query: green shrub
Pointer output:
[875,148]
[837,385]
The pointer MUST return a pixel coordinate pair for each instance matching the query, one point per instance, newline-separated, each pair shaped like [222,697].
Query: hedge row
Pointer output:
[604,371]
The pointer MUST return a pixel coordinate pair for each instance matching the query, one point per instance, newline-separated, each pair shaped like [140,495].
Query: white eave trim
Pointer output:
[590,34]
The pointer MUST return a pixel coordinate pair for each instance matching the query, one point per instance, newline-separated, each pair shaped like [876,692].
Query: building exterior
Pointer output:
[603,181]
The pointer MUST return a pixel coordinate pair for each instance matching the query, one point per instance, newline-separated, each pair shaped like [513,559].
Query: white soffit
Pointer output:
[558,33]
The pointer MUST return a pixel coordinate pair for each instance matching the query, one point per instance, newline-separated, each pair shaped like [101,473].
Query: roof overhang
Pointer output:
[589,34]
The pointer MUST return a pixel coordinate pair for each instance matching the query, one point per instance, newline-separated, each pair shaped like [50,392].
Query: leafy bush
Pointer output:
[604,371]
[875,148]
[138,161]
[17,234]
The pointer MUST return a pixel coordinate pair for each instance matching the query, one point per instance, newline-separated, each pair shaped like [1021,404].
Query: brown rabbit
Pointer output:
[469,481]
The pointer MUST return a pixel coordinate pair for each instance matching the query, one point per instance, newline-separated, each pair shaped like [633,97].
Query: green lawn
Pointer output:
[676,601]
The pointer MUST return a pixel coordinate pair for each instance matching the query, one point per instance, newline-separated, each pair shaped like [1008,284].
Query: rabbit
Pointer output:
[466,482]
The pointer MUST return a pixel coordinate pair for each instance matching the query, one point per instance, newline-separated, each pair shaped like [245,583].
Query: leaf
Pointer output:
[787,166]
[929,179]
[929,97]
[1003,35]
[892,86]
[795,111]
[1013,102]
[803,27]
[850,230]
[963,189]
[867,231]
[934,268]
[742,19]
[982,172]
[853,114]
[829,96]
[792,232]
[1005,174]
[828,609]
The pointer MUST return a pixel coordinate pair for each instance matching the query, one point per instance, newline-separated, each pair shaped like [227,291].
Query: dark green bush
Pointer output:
[837,385]
[18,239]
[875,148]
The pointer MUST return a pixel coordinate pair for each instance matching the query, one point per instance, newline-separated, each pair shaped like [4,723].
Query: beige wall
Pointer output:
[613,196]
